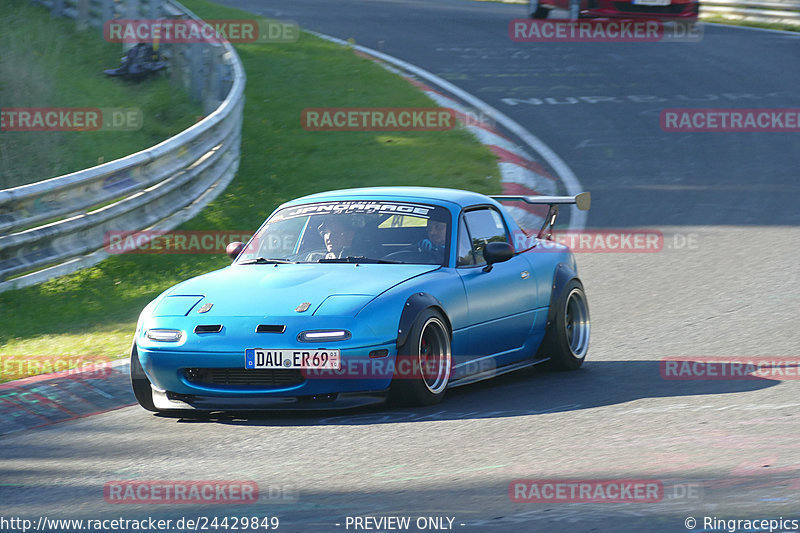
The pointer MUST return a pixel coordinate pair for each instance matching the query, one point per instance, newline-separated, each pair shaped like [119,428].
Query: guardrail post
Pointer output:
[82,20]
[132,9]
[177,64]
[211,81]
[226,79]
[129,11]
[196,71]
[218,77]
[209,68]
[107,10]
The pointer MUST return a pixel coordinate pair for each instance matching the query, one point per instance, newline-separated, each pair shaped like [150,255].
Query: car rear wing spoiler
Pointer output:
[582,201]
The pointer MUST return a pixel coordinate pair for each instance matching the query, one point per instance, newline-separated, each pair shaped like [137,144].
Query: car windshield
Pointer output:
[353,232]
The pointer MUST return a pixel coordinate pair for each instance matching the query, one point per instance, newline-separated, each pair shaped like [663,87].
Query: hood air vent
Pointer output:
[212,328]
[271,328]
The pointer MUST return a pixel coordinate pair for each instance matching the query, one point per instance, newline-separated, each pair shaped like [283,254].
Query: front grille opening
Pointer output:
[271,328]
[245,378]
[208,328]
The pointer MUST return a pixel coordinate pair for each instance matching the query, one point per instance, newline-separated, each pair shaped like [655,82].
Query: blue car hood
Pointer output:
[277,290]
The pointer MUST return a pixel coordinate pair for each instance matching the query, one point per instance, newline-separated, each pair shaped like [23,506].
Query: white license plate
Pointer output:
[652,2]
[292,359]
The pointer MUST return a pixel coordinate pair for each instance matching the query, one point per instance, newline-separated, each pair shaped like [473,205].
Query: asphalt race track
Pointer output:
[723,283]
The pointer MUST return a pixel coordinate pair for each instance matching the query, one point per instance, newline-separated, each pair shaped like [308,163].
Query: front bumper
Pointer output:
[184,374]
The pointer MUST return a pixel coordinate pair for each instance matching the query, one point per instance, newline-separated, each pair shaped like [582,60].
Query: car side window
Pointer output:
[485,225]
[465,254]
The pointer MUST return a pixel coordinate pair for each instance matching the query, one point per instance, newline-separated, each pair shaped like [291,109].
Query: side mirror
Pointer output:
[234,249]
[496,252]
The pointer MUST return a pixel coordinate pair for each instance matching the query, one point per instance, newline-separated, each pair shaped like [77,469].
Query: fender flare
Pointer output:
[416,304]
[562,275]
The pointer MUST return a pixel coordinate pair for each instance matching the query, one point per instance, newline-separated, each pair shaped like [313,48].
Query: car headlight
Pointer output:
[164,335]
[324,335]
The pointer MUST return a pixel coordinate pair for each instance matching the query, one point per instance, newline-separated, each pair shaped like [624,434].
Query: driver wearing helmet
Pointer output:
[338,233]
[436,239]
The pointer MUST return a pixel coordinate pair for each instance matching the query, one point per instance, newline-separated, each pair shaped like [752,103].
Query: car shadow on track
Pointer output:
[523,393]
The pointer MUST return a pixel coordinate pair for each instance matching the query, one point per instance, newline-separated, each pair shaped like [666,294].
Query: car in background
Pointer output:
[628,9]
[354,296]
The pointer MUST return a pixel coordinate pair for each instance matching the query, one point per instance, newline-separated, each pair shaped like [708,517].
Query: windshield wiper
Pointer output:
[266,261]
[360,259]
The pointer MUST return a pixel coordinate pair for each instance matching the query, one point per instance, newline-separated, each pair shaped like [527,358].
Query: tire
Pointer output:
[424,362]
[566,341]
[140,384]
[536,10]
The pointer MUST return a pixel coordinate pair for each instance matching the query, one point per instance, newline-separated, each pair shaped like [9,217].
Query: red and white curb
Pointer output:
[521,173]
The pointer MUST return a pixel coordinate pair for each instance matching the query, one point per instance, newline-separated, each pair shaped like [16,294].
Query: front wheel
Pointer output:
[536,10]
[140,384]
[566,341]
[423,363]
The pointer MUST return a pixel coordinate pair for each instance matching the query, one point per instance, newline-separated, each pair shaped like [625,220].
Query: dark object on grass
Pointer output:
[138,63]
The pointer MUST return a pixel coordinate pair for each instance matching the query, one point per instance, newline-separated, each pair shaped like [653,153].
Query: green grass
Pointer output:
[93,312]
[46,62]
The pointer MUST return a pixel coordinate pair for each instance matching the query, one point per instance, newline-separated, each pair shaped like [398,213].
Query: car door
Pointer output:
[500,302]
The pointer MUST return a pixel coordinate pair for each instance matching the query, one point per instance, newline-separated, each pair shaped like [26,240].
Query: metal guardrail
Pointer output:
[765,11]
[57,226]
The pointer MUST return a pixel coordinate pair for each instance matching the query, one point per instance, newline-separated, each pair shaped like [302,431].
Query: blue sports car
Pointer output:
[354,296]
